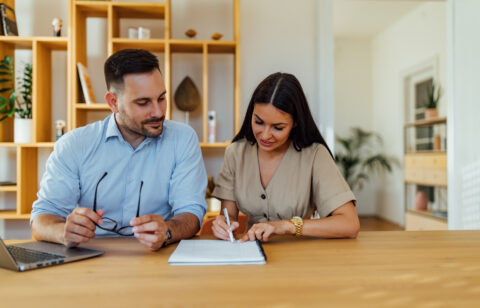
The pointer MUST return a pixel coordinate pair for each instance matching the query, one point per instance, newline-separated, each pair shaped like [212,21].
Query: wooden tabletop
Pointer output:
[381,269]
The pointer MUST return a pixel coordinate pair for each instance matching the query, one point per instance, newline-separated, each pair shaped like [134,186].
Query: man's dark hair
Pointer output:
[285,93]
[128,61]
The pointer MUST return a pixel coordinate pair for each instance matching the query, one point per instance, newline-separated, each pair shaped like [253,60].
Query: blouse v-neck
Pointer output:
[259,176]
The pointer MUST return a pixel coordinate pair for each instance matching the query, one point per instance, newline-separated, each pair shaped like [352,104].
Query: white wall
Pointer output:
[417,37]
[353,100]
[269,43]
[463,110]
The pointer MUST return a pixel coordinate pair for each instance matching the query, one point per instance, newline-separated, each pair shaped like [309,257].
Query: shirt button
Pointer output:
[263,196]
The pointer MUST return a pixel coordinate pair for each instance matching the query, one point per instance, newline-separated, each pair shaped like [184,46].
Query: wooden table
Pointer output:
[381,269]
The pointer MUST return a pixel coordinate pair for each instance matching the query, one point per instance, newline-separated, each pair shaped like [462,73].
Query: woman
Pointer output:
[279,171]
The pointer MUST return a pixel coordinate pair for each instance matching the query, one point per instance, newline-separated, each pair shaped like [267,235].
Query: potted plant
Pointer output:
[9,102]
[357,157]
[431,102]
[213,203]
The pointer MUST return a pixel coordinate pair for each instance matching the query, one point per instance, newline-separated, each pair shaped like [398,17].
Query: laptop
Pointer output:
[31,255]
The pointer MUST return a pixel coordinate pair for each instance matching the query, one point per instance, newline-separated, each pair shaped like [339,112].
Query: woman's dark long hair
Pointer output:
[285,93]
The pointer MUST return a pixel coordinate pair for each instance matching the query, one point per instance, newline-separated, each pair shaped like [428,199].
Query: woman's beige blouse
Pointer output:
[304,181]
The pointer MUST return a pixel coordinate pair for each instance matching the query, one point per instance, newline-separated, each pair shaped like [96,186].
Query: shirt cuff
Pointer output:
[335,202]
[223,193]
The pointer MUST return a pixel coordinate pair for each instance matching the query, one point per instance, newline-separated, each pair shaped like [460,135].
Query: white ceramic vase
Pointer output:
[22,129]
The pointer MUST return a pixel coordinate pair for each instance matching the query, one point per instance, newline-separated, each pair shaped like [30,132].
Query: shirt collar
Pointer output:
[114,131]
[112,128]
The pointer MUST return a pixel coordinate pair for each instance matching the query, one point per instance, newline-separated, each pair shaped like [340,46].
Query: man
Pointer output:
[133,173]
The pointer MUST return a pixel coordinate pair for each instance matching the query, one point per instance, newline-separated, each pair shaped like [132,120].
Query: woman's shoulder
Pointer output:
[237,150]
[314,149]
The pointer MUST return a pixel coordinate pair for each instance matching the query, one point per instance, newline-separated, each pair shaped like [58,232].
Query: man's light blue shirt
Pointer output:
[170,166]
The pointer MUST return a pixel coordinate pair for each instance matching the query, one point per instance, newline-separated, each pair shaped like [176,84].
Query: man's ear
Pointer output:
[112,101]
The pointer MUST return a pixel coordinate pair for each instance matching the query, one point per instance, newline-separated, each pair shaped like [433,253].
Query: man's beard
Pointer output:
[131,126]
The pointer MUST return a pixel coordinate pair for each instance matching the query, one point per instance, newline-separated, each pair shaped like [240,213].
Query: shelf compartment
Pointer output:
[428,169]
[153,45]
[429,122]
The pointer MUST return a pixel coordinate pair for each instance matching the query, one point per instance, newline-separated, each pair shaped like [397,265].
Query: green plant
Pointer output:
[9,103]
[433,96]
[357,157]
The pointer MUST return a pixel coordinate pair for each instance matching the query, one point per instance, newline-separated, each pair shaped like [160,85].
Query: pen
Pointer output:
[225,212]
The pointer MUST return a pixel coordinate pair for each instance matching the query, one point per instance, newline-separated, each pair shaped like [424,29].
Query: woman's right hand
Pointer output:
[220,227]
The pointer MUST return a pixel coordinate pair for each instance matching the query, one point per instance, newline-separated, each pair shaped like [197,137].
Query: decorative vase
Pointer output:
[431,113]
[421,201]
[22,130]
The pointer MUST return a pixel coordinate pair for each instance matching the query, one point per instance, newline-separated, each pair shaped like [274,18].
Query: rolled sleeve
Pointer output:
[225,186]
[330,190]
[189,179]
[59,188]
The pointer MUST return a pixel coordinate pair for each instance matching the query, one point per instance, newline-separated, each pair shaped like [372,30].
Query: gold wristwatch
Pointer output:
[298,223]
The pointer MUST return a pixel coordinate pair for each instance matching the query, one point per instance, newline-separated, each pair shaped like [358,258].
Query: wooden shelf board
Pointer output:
[215,145]
[8,188]
[221,47]
[427,214]
[196,46]
[55,43]
[12,214]
[8,144]
[426,152]
[425,183]
[20,42]
[154,45]
[92,106]
[442,120]
[142,10]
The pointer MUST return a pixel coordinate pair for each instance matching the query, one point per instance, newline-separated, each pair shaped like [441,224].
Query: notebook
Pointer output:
[31,255]
[217,252]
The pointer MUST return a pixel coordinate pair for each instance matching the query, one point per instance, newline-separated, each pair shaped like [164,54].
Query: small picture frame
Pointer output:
[8,20]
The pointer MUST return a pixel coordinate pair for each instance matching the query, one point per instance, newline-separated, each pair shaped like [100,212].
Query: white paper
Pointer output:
[216,252]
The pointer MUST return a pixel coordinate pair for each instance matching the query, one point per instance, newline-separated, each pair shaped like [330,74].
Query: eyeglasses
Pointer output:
[111,224]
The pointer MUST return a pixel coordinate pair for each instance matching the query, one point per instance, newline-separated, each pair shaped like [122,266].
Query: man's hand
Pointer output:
[80,226]
[150,230]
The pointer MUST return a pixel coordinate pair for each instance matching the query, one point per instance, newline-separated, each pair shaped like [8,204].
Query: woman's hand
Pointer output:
[220,227]
[263,231]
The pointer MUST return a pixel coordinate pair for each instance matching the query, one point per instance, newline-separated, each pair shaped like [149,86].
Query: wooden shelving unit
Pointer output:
[77,112]
[425,168]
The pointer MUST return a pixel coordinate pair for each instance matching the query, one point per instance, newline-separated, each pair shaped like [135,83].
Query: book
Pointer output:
[217,252]
[86,84]
[8,20]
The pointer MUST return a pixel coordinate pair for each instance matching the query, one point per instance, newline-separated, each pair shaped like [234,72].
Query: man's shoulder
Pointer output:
[81,136]
[177,130]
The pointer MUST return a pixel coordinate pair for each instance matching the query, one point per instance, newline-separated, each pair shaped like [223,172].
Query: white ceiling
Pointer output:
[365,18]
